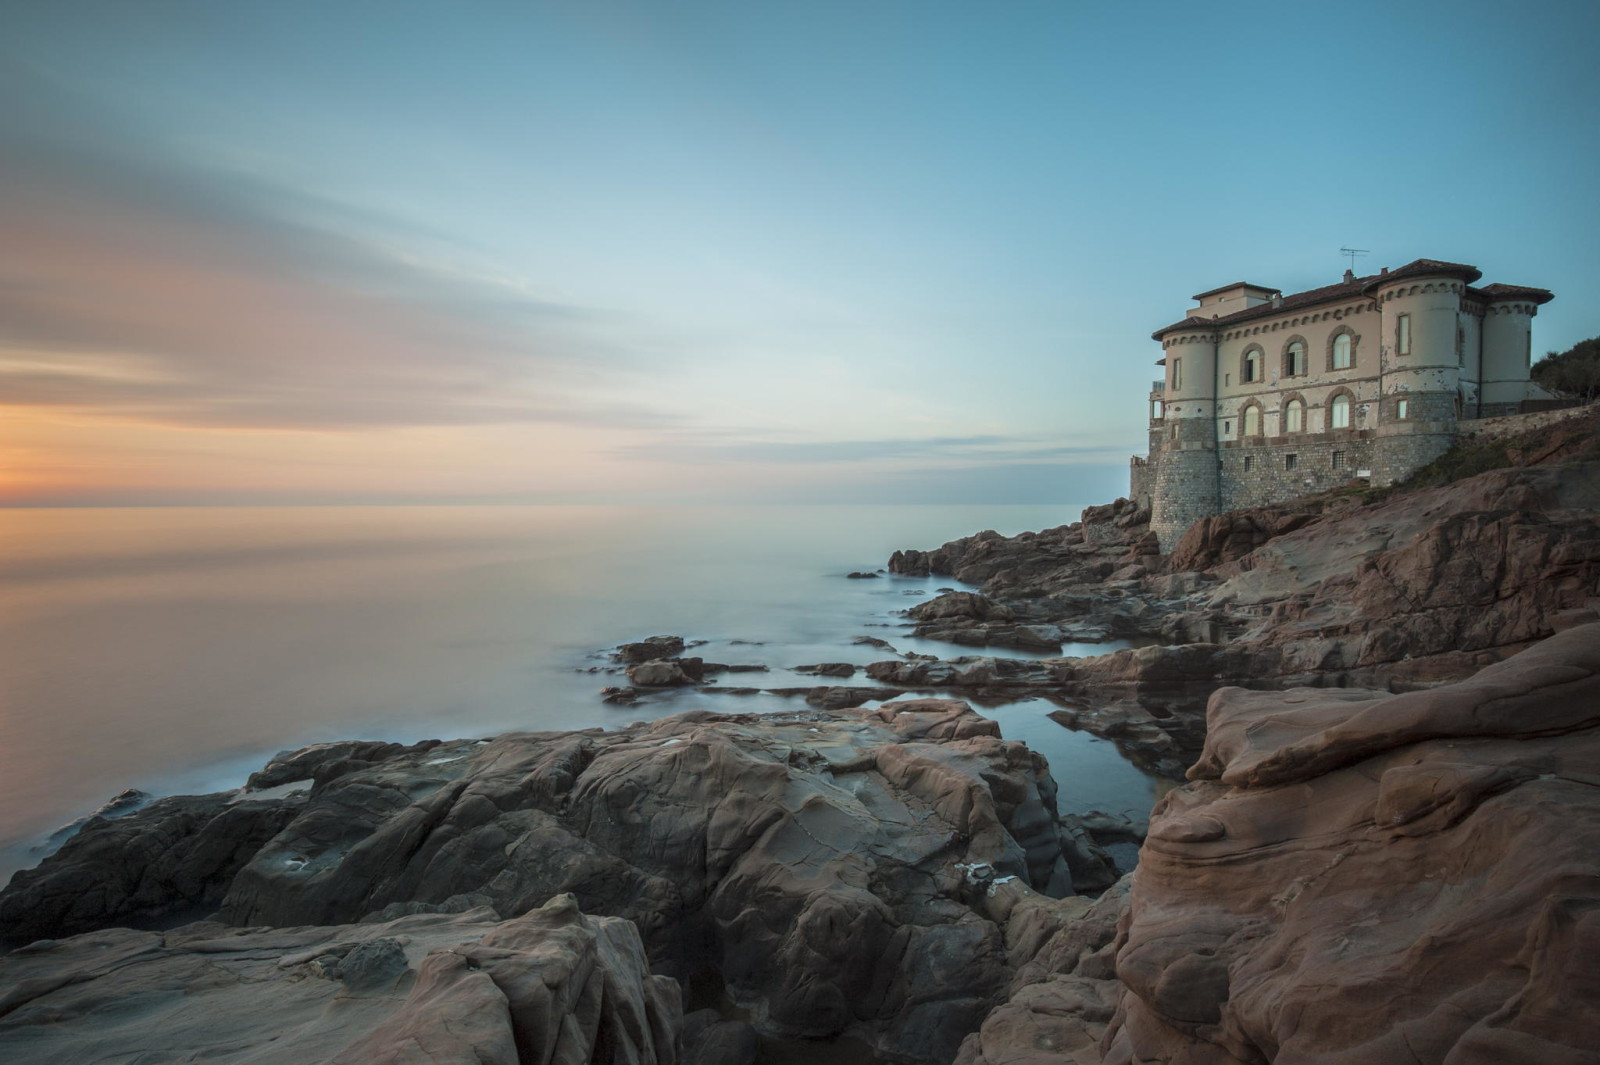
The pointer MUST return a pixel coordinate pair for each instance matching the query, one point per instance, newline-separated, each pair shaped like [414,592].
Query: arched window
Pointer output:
[1250,369]
[1294,359]
[1252,420]
[1339,412]
[1294,416]
[1341,351]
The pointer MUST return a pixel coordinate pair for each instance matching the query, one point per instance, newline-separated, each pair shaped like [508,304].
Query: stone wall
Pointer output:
[1517,424]
[1139,482]
[1319,461]
[1185,490]
[1405,445]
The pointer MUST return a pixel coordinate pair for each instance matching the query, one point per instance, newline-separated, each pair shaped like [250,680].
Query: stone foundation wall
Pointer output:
[1405,445]
[1185,491]
[1282,468]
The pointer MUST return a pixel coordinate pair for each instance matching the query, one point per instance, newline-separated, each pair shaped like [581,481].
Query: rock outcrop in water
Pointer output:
[821,863]
[551,987]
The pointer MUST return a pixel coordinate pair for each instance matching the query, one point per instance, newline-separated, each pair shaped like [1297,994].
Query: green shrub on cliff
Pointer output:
[1571,374]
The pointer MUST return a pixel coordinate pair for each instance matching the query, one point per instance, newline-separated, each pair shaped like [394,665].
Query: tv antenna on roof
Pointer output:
[1352,252]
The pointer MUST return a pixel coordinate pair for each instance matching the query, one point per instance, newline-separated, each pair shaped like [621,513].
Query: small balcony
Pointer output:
[1158,386]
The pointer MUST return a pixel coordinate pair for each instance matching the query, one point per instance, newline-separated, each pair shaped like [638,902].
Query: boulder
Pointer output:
[1364,876]
[172,856]
[828,669]
[961,605]
[1064,992]
[651,648]
[552,987]
[672,673]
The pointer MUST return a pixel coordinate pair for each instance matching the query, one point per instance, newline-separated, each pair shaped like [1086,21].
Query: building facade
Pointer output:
[1266,397]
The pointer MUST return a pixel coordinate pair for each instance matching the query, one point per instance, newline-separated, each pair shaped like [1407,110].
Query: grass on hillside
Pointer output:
[1564,441]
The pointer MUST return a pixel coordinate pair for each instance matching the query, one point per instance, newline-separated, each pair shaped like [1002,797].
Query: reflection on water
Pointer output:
[174,649]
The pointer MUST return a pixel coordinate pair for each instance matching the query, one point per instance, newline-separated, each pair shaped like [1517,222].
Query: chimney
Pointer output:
[1349,276]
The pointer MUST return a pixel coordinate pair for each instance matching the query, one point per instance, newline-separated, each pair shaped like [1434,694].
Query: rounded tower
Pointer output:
[1508,345]
[1420,356]
[1185,479]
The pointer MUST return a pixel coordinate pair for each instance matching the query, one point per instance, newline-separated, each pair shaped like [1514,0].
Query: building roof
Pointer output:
[1229,288]
[1498,291]
[1427,268]
[1357,286]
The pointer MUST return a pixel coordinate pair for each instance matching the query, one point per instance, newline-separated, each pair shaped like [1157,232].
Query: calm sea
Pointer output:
[175,649]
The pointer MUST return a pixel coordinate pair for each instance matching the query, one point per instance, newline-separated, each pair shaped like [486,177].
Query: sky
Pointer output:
[484,251]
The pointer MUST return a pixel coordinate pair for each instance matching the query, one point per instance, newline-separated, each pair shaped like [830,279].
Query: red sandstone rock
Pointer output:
[1358,878]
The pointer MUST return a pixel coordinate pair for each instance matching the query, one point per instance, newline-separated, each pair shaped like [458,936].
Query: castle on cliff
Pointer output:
[1267,397]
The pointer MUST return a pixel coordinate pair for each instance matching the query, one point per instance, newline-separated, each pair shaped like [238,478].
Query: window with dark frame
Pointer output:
[1294,360]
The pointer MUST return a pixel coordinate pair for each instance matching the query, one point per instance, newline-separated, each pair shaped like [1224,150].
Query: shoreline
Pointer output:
[229,774]
[1370,821]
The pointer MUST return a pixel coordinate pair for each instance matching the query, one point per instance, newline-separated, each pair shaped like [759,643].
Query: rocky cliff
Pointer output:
[1399,590]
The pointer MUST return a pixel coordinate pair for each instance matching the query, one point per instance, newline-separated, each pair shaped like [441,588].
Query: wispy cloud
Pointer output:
[143,284]
[733,447]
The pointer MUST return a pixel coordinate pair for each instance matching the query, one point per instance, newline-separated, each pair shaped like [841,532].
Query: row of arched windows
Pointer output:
[1341,356]
[1294,416]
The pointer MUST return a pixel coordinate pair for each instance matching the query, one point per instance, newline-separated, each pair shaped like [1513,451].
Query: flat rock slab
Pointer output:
[555,985]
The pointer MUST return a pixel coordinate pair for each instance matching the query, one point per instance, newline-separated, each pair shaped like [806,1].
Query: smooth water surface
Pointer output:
[175,649]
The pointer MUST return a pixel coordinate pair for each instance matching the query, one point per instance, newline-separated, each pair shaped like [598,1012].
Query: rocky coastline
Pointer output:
[1387,711]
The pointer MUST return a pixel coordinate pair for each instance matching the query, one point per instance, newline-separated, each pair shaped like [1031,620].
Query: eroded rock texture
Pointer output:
[823,863]
[1360,877]
[553,987]
[175,855]
[1064,991]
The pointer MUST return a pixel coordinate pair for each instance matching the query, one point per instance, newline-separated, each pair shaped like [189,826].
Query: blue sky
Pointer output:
[718,251]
